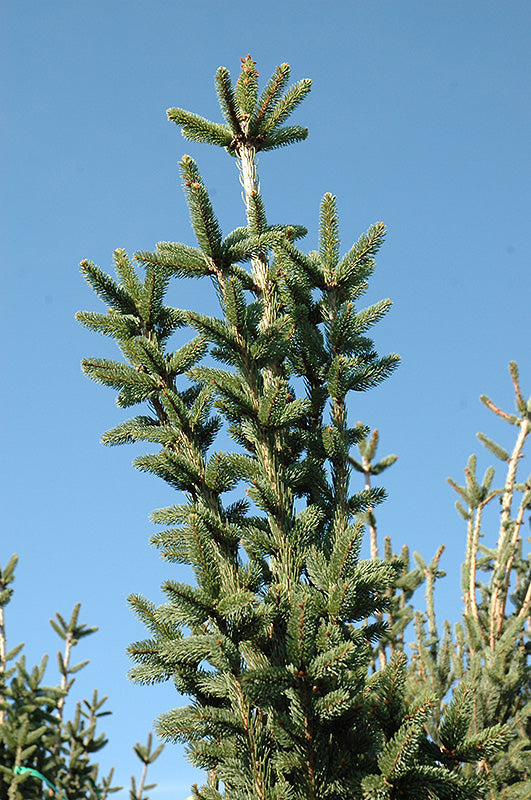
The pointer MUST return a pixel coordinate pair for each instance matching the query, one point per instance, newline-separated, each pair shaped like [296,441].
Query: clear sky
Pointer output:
[419,116]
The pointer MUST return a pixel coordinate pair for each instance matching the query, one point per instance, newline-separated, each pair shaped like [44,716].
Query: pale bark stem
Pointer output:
[466,576]
[370,512]
[473,564]
[526,604]
[249,181]
[142,781]
[430,601]
[508,569]
[497,604]
[64,678]
[382,658]
[511,475]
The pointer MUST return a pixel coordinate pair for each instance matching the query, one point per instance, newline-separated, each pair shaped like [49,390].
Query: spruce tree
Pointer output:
[479,670]
[42,751]
[273,643]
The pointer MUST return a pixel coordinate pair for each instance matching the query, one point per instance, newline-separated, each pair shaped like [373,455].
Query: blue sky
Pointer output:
[419,117]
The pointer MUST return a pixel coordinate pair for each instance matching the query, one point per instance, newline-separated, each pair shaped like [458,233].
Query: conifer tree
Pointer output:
[273,643]
[479,671]
[489,652]
[42,752]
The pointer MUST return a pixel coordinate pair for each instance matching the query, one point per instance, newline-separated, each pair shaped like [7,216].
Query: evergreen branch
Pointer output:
[216,330]
[186,356]
[204,222]
[521,404]
[107,289]
[460,490]
[495,449]
[357,264]
[120,326]
[370,375]
[153,291]
[368,317]
[147,356]
[254,248]
[283,137]
[235,237]
[133,430]
[457,717]
[329,232]
[301,260]
[234,303]
[488,402]
[127,274]
[257,221]
[179,259]
[382,465]
[229,385]
[273,343]
[285,106]
[246,90]
[269,98]
[118,376]
[198,129]
[471,560]
[227,100]
[400,752]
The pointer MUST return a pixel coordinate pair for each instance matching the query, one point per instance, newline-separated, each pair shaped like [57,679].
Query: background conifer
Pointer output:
[43,752]
[479,670]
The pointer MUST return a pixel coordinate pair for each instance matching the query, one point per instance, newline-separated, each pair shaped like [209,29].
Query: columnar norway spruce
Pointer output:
[277,642]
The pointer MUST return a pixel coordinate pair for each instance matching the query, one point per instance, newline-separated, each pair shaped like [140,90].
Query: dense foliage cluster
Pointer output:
[42,752]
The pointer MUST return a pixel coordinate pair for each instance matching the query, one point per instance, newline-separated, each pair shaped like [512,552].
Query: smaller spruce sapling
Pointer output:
[479,672]
[41,751]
